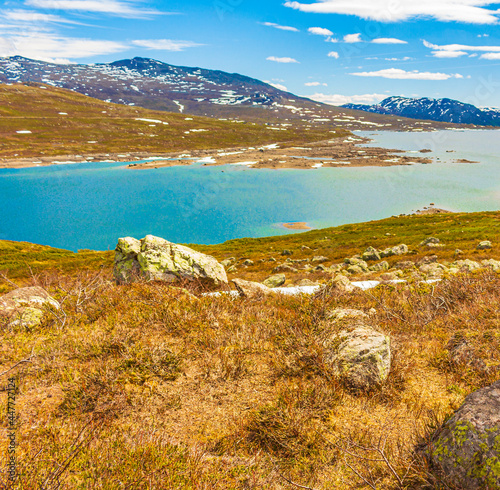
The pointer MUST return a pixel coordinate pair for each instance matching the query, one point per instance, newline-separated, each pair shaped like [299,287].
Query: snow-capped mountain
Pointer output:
[445,110]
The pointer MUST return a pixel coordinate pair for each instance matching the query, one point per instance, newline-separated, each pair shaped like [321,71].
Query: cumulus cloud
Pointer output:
[333,54]
[54,48]
[448,54]
[320,31]
[315,84]
[282,28]
[337,99]
[165,44]
[388,40]
[398,74]
[281,60]
[121,8]
[352,38]
[490,56]
[467,11]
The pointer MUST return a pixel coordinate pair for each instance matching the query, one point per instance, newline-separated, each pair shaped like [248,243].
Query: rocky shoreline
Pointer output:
[340,152]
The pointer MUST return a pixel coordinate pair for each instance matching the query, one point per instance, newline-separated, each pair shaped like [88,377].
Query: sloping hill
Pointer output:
[42,120]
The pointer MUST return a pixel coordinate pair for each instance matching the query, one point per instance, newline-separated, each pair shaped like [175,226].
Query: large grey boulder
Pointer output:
[466,265]
[380,266]
[156,259]
[397,250]
[371,254]
[26,306]
[361,357]
[466,450]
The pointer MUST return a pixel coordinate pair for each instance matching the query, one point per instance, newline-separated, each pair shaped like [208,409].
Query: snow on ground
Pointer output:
[317,165]
[23,132]
[244,163]
[181,107]
[156,121]
[206,160]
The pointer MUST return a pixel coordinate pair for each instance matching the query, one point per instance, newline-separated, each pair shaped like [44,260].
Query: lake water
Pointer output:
[90,205]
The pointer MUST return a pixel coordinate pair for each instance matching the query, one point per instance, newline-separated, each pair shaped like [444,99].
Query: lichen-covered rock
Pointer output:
[466,265]
[275,281]
[429,241]
[156,259]
[361,357]
[466,450]
[433,270]
[397,250]
[492,264]
[381,266]
[284,268]
[251,290]
[26,306]
[485,245]
[371,254]
[320,259]
[355,269]
[337,285]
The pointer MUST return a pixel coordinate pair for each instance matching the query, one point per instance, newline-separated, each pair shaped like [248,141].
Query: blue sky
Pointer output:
[334,51]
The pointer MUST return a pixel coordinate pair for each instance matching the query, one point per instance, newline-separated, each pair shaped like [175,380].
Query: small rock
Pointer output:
[433,270]
[251,290]
[492,264]
[336,267]
[320,268]
[355,269]
[286,252]
[320,259]
[248,262]
[466,265]
[371,254]
[429,259]
[430,240]
[354,261]
[233,268]
[381,266]
[485,245]
[339,284]
[458,251]
[466,449]
[361,357]
[275,281]
[404,265]
[284,268]
[306,282]
[400,249]
[346,314]
[272,259]
[305,247]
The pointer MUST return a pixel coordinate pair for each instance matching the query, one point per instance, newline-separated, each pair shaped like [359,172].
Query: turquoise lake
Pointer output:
[90,205]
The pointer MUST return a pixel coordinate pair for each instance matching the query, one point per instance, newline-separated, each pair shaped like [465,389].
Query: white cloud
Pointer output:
[490,56]
[34,17]
[467,11]
[277,85]
[281,60]
[121,8]
[337,99]
[165,44]
[277,26]
[320,31]
[388,40]
[352,38]
[448,54]
[333,54]
[457,50]
[397,74]
[315,84]
[405,58]
[49,47]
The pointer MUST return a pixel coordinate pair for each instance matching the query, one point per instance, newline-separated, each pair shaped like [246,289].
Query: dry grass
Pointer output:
[144,386]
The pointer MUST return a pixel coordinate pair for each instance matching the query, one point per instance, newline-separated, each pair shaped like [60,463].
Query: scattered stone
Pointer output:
[433,270]
[430,240]
[355,269]
[272,259]
[404,265]
[466,448]
[275,281]
[26,306]
[248,262]
[429,259]
[381,266]
[156,259]
[371,254]
[492,264]
[305,247]
[320,268]
[485,245]
[361,357]
[346,314]
[336,267]
[251,290]
[339,284]
[397,250]
[284,268]
[306,282]
[320,259]
[227,262]
[286,252]
[233,268]
[354,261]
[466,265]
[458,251]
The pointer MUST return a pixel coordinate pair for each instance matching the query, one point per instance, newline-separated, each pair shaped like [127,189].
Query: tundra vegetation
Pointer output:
[146,385]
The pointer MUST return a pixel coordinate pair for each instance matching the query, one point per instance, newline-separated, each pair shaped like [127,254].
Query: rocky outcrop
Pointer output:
[26,306]
[251,290]
[156,259]
[275,281]
[466,450]
[361,358]
[371,254]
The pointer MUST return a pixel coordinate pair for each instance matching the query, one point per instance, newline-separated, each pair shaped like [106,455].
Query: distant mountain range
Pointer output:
[444,110]
[156,85]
